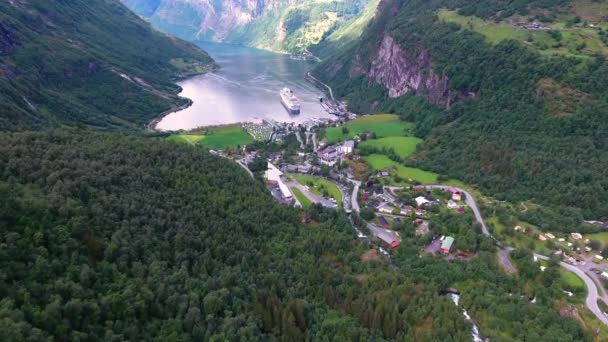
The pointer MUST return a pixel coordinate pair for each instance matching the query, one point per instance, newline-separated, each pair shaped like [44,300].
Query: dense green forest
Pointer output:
[113,237]
[535,128]
[87,62]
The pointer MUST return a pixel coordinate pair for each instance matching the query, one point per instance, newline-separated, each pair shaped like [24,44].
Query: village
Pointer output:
[320,173]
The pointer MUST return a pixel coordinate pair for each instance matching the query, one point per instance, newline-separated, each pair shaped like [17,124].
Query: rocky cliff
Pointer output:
[401,72]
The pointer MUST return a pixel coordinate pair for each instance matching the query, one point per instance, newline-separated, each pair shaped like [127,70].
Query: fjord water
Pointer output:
[245,88]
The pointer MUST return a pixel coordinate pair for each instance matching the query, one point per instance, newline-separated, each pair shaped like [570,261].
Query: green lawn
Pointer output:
[319,185]
[383,125]
[403,146]
[304,201]
[540,40]
[228,136]
[602,237]
[379,162]
[217,138]
[572,280]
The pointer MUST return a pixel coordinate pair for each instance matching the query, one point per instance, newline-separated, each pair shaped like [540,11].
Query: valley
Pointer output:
[315,170]
[245,88]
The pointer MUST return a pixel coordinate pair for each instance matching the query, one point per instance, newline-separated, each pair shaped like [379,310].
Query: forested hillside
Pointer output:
[113,237]
[277,25]
[518,110]
[90,63]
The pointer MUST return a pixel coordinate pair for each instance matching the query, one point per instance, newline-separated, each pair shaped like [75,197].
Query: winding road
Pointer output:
[592,290]
[592,293]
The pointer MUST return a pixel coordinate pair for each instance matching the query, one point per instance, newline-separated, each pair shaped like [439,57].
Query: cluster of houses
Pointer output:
[330,155]
[578,249]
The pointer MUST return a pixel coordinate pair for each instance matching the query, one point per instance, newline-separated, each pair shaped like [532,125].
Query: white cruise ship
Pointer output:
[290,101]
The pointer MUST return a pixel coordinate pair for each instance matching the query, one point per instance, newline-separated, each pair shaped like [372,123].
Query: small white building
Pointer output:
[274,175]
[452,204]
[599,257]
[421,201]
[550,236]
[347,147]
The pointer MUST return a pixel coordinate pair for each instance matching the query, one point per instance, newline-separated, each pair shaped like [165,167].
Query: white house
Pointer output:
[273,175]
[347,147]
[452,205]
[576,236]
[421,200]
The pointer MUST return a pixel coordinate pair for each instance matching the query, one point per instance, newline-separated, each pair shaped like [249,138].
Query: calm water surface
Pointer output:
[246,88]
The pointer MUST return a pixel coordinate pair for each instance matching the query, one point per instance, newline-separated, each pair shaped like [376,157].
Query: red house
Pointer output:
[388,240]
[456,196]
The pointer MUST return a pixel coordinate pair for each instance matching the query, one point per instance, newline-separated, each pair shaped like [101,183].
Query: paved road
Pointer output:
[469,200]
[592,294]
[505,262]
[302,145]
[592,291]
[355,194]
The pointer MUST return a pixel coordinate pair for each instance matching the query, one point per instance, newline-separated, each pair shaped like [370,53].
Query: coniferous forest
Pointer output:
[109,237]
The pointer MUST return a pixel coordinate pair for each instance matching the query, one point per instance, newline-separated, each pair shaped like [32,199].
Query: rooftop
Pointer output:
[447,242]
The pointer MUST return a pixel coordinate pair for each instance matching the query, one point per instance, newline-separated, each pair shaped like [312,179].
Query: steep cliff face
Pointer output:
[278,25]
[401,72]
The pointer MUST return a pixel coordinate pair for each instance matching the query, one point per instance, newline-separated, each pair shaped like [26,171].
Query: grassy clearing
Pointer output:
[319,186]
[571,280]
[570,43]
[601,237]
[403,146]
[304,201]
[224,137]
[380,162]
[218,138]
[383,125]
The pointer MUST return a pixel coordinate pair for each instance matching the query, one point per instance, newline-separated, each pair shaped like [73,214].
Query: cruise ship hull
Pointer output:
[290,110]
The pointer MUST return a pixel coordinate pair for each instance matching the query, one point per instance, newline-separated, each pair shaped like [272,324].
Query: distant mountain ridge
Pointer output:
[276,25]
[91,63]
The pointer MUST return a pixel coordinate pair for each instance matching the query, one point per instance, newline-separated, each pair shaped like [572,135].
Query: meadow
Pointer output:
[383,125]
[380,162]
[217,138]
[318,185]
[570,44]
[304,201]
[403,146]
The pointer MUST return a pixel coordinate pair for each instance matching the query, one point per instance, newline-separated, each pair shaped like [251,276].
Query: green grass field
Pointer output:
[571,280]
[383,125]
[218,138]
[403,146]
[304,201]
[319,185]
[540,40]
[379,162]
[187,138]
[601,237]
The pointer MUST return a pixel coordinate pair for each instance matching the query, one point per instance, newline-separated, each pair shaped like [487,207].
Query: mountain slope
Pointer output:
[521,120]
[107,236]
[87,62]
[277,25]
